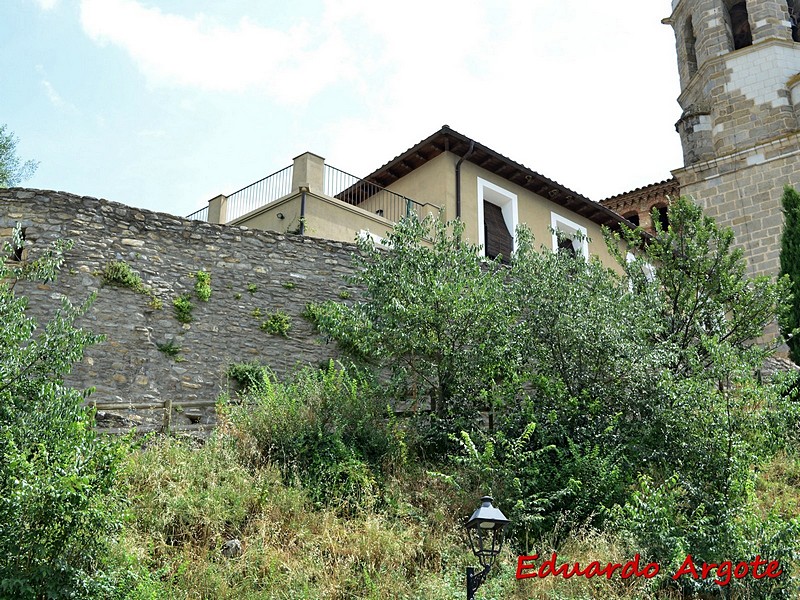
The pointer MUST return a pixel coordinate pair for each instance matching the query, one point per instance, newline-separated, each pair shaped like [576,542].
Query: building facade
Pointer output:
[447,174]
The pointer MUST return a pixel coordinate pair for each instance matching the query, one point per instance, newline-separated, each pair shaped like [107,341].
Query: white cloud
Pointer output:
[562,86]
[292,66]
[52,94]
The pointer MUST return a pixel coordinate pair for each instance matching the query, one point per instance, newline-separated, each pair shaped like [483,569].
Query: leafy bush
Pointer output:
[121,274]
[183,307]
[250,375]
[324,428]
[170,348]
[202,285]
[278,323]
[59,502]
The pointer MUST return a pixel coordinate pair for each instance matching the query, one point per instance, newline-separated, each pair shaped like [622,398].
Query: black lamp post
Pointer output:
[485,531]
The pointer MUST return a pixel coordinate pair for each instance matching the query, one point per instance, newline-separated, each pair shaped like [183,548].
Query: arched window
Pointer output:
[690,43]
[663,217]
[739,24]
[633,217]
[794,17]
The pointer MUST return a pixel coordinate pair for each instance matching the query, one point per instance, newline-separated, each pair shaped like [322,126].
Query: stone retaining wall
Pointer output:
[136,383]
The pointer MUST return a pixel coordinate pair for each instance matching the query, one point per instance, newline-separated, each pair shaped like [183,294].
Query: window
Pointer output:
[690,43]
[739,24]
[18,249]
[663,217]
[569,236]
[633,217]
[497,220]
[794,17]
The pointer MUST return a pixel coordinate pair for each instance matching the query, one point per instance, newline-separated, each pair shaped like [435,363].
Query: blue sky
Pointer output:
[164,104]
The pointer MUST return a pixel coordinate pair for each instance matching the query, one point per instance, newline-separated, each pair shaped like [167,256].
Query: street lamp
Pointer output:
[485,532]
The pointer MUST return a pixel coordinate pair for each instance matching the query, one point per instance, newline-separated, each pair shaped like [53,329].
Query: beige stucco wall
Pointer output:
[432,183]
[331,219]
[533,210]
[267,219]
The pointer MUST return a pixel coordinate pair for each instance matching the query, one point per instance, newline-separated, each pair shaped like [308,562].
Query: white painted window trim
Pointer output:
[508,203]
[578,233]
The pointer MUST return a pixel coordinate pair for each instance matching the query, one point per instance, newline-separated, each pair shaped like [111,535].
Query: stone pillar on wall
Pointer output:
[308,172]
[769,20]
[218,209]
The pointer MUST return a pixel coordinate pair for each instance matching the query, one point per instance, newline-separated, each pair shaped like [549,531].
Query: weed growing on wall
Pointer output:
[121,274]
[183,309]
[278,323]
[252,288]
[170,348]
[202,285]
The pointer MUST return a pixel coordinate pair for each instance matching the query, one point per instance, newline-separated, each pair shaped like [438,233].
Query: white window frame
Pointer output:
[508,203]
[577,233]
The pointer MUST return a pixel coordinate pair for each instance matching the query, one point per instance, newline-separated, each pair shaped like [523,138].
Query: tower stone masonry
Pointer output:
[739,68]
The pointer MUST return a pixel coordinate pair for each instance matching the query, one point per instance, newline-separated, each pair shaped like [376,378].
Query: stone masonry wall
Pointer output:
[743,191]
[136,383]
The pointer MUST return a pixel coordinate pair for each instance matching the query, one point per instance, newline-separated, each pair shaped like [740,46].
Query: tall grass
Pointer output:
[380,527]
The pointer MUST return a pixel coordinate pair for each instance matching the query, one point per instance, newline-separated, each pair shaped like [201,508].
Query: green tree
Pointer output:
[12,170]
[790,267]
[713,423]
[58,505]
[435,314]
[707,304]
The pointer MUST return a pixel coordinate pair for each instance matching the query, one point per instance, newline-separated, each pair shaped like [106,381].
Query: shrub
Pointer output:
[278,323]
[202,285]
[250,375]
[120,273]
[59,499]
[324,428]
[183,309]
[170,348]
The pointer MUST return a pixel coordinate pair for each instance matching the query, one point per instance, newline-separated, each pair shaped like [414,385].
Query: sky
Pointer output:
[164,104]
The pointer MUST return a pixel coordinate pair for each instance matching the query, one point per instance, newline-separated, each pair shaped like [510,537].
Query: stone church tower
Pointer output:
[739,65]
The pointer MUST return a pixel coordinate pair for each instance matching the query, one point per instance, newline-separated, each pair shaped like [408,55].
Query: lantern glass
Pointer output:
[485,531]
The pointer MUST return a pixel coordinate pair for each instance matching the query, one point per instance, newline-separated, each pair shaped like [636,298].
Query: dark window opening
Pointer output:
[499,242]
[17,251]
[690,41]
[663,217]
[633,218]
[794,17]
[566,246]
[740,26]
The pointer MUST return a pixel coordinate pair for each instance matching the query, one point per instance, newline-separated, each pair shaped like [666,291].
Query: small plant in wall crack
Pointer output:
[252,288]
[278,323]
[183,309]
[170,348]
[202,285]
[120,274]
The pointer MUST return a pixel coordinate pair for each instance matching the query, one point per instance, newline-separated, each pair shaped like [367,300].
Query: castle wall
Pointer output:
[136,383]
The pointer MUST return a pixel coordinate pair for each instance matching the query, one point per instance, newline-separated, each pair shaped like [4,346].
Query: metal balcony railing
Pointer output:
[367,195]
[259,194]
[199,215]
[336,184]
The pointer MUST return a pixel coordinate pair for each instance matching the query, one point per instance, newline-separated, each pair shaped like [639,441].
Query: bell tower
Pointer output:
[739,68]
